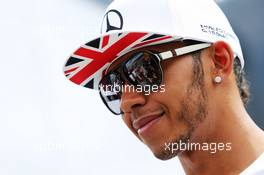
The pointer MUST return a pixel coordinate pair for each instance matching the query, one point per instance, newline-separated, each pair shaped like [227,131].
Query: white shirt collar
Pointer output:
[256,168]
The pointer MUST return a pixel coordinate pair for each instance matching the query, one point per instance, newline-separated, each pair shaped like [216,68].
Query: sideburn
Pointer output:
[194,105]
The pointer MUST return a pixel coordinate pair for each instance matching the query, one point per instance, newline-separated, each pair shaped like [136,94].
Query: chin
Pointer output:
[166,155]
[163,154]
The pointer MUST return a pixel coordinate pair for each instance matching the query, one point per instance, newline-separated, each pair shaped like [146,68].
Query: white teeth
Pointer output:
[138,130]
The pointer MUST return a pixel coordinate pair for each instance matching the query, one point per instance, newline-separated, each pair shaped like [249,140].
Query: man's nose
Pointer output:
[131,100]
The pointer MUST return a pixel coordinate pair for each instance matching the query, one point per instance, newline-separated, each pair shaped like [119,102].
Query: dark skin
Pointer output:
[196,111]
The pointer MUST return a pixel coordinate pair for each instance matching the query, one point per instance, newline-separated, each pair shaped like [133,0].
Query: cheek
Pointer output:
[177,78]
[178,72]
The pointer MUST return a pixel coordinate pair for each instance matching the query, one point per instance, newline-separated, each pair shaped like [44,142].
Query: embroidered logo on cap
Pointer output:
[113,20]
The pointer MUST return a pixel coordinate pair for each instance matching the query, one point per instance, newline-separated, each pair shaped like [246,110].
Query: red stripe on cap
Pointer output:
[70,70]
[105,41]
[87,53]
[152,41]
[100,59]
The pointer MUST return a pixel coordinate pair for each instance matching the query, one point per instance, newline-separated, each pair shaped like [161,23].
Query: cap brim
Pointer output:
[86,66]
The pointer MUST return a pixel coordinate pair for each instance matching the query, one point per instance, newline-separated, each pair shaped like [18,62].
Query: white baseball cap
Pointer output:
[132,24]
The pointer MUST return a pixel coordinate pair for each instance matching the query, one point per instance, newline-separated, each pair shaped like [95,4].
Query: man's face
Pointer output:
[172,115]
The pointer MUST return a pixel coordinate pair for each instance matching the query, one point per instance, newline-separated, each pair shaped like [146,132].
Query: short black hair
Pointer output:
[241,81]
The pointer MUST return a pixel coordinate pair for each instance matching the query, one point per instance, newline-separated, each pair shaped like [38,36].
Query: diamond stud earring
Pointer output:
[217,79]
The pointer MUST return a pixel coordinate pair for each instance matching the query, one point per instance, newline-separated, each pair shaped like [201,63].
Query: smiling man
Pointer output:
[173,69]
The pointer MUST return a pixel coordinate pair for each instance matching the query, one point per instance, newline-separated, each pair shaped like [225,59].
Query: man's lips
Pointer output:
[145,120]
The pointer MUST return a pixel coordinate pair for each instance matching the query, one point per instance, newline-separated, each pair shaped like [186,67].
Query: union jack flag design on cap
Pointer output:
[86,66]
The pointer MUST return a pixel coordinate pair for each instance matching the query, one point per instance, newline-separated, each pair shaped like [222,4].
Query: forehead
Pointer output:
[154,48]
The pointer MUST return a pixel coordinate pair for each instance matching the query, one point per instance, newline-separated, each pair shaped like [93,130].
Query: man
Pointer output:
[190,100]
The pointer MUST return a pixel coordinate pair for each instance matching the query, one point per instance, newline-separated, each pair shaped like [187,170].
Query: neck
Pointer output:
[234,127]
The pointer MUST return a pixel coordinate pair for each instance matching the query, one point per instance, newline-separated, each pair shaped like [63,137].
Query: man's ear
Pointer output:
[223,59]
